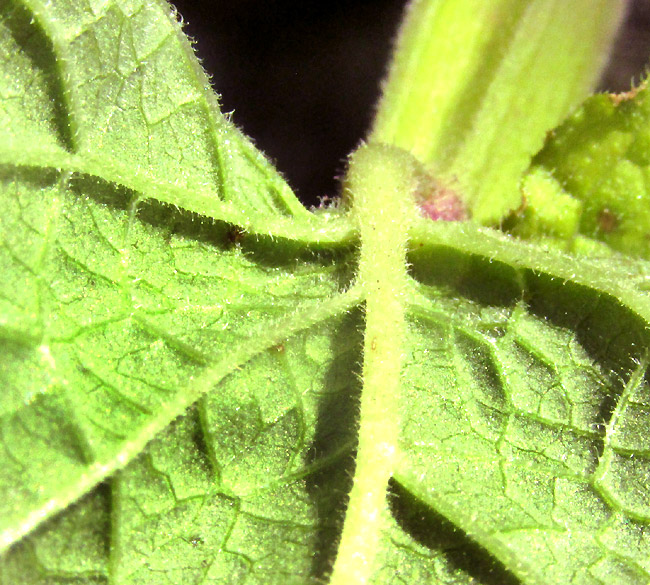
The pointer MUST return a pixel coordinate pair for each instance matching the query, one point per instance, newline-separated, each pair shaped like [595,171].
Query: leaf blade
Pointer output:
[515,388]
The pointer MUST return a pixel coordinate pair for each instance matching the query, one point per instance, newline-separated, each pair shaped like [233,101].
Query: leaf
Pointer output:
[124,308]
[599,158]
[102,93]
[526,397]
[206,383]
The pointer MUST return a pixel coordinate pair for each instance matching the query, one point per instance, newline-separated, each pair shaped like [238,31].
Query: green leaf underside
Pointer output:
[180,400]
[534,450]
[103,100]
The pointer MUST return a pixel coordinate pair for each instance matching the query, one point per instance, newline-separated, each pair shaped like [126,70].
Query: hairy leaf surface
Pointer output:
[191,359]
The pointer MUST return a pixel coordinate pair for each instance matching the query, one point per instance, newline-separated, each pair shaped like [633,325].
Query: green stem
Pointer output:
[380,181]
[475,85]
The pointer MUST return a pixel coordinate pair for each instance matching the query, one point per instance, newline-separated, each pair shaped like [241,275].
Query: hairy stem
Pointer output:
[381,180]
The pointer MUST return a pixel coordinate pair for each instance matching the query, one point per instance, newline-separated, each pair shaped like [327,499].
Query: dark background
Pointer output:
[302,77]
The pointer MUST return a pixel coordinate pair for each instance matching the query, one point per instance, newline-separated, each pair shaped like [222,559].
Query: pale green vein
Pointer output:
[381,182]
[261,339]
[326,228]
[624,278]
[604,484]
